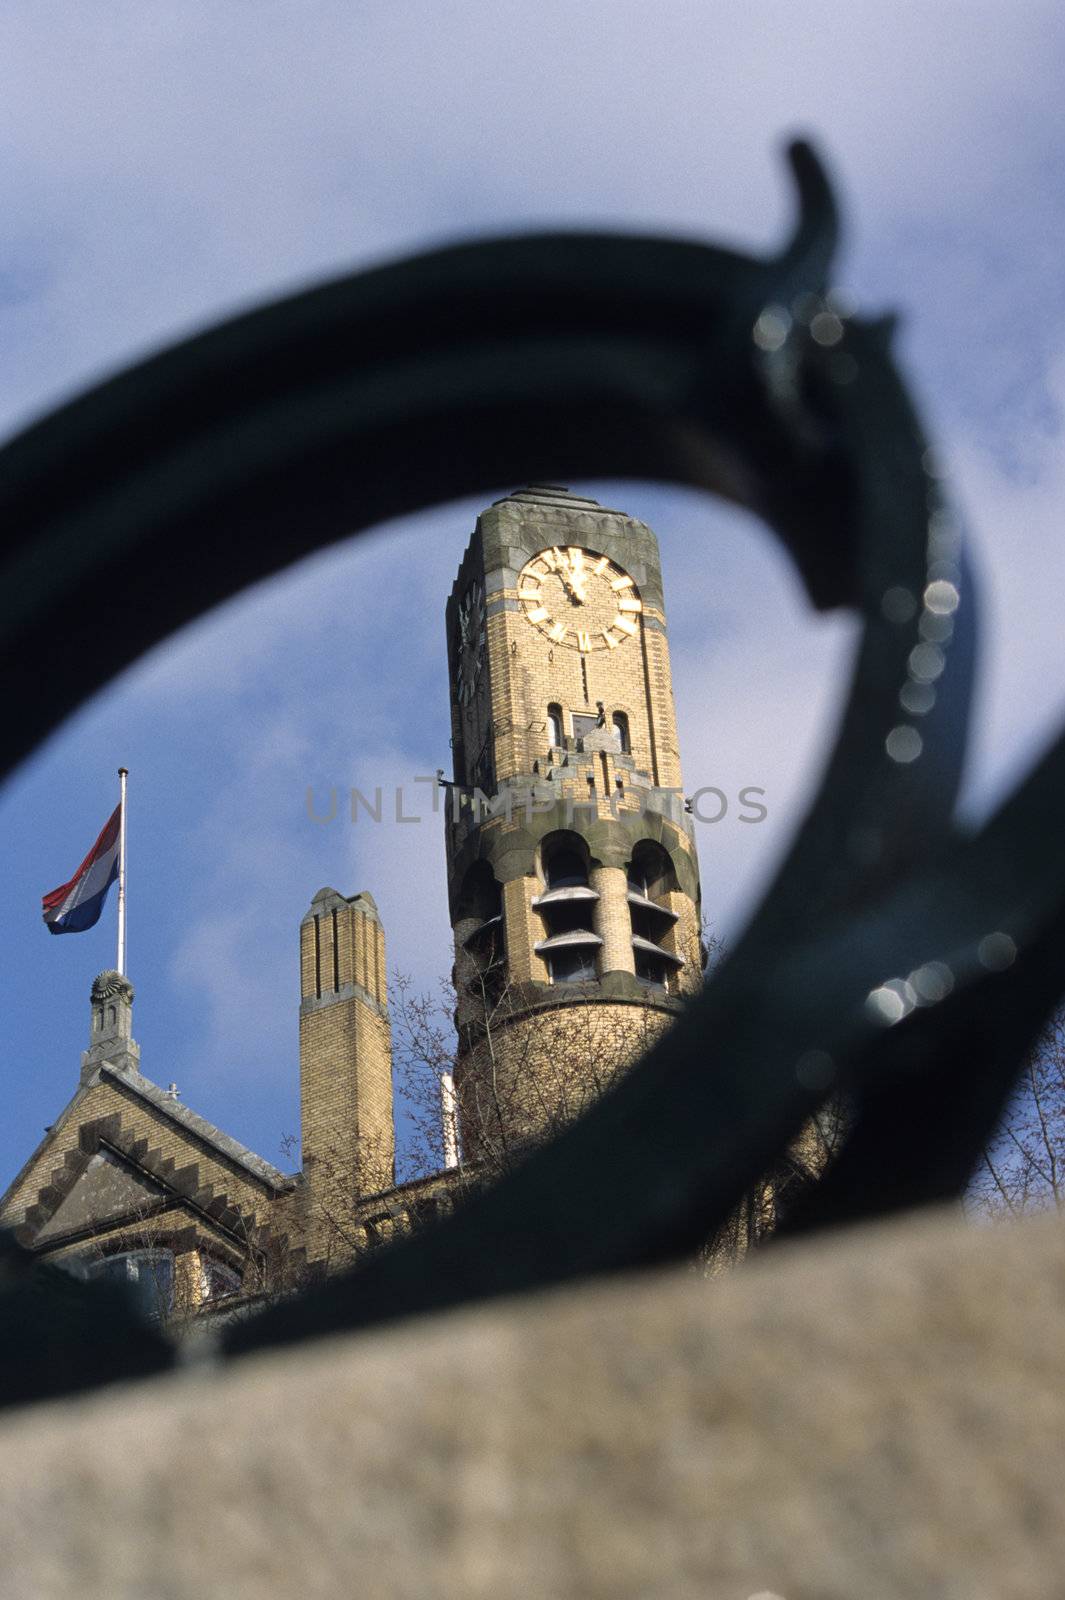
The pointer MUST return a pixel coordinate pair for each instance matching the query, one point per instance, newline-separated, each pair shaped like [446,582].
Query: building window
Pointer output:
[566,869]
[146,1275]
[621,723]
[652,970]
[651,878]
[554,727]
[646,924]
[217,1280]
[582,724]
[481,902]
[567,906]
[650,871]
[573,965]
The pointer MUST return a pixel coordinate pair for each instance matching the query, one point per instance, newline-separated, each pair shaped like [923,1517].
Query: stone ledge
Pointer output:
[879,1413]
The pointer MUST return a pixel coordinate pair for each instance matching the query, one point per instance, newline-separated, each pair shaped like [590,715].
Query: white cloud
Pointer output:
[166,164]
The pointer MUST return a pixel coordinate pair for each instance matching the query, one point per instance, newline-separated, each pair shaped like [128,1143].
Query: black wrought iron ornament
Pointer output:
[894,958]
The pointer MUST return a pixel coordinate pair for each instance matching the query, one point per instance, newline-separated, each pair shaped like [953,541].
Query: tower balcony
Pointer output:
[571,956]
[648,948]
[483,934]
[568,894]
[640,902]
[574,938]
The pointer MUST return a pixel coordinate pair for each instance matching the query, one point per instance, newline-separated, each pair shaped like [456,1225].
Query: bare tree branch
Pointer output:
[1022,1168]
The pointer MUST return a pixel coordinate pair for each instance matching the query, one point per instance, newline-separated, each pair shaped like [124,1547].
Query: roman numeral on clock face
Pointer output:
[579,598]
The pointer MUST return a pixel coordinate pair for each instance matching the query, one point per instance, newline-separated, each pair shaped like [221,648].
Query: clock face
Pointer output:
[580,599]
[470,643]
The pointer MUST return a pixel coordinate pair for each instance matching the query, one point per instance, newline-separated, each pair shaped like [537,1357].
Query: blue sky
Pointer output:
[165,166]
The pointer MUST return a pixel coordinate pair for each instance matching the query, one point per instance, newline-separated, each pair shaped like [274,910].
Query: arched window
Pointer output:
[217,1279]
[621,723]
[565,868]
[480,901]
[567,906]
[651,872]
[651,877]
[480,895]
[146,1275]
[573,965]
[651,969]
[554,727]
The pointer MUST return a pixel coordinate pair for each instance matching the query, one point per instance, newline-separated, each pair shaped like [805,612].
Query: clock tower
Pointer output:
[572,873]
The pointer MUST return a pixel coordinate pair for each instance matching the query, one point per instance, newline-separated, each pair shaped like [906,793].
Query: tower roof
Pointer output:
[554,494]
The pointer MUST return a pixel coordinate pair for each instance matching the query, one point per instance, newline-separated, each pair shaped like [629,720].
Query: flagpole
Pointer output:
[120,964]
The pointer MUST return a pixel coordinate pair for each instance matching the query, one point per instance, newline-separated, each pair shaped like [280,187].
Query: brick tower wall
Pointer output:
[348,1140]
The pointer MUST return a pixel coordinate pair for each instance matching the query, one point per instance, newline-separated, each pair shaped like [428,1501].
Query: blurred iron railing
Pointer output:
[895,959]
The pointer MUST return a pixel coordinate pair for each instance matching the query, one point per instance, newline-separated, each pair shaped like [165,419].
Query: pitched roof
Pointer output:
[205,1131]
[107,1190]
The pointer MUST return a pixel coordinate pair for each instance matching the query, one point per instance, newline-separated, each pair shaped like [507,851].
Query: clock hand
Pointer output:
[573,585]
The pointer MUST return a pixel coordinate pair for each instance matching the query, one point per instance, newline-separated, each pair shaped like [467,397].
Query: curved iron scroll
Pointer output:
[892,957]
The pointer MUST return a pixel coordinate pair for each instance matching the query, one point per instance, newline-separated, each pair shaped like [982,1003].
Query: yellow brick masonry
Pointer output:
[158,1232]
[513,1072]
[684,939]
[345,1072]
[256,1242]
[523,930]
[613,922]
[139,1120]
[546,1055]
[528,673]
[359,954]
[534,1074]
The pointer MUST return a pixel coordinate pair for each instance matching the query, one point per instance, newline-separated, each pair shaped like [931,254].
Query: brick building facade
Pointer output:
[574,896]
[572,872]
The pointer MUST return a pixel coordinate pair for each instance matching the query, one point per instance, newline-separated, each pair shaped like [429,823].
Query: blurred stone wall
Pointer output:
[879,1413]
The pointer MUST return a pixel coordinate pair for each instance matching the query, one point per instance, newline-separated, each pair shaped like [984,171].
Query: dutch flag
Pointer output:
[76,905]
